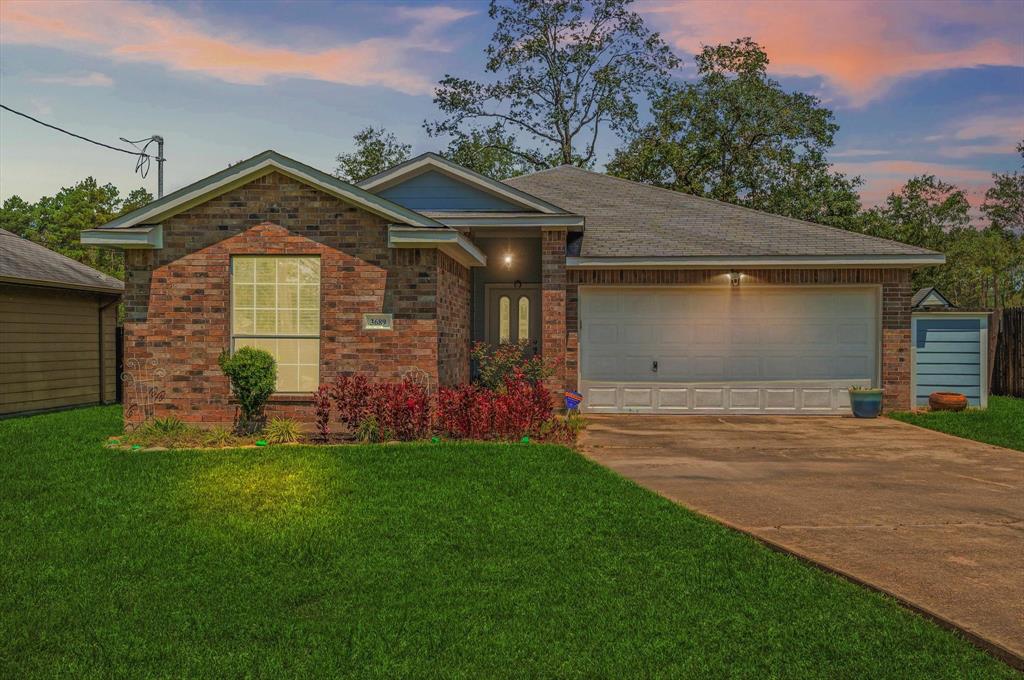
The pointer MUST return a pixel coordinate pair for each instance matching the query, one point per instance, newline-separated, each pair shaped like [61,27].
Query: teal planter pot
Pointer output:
[866,403]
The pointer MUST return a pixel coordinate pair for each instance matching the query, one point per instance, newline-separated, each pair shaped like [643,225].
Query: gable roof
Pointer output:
[262,164]
[22,261]
[631,220]
[432,161]
[930,297]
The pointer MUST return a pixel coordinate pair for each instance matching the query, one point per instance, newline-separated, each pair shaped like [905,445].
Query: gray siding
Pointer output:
[436,191]
[948,358]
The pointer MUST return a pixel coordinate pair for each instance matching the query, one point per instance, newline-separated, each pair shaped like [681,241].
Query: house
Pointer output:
[58,320]
[648,299]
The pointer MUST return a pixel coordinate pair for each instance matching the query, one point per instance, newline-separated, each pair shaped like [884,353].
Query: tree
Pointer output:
[488,152]
[562,70]
[57,221]
[1004,201]
[737,136]
[376,150]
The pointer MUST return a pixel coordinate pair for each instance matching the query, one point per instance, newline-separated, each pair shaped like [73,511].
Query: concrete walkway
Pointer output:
[934,520]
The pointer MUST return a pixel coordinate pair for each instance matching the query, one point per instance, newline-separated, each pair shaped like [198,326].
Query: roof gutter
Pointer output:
[150,237]
[43,283]
[757,262]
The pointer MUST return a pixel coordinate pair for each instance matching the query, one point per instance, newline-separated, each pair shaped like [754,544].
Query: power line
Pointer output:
[91,141]
[142,158]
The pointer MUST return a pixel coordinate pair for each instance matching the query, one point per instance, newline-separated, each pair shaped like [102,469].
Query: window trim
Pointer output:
[232,336]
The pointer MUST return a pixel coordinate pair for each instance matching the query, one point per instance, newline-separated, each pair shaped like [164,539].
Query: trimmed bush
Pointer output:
[253,375]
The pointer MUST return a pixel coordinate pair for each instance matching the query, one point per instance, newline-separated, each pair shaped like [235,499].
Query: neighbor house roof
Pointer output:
[22,261]
[930,297]
[626,219]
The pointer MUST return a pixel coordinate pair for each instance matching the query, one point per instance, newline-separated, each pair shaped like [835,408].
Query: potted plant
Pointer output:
[866,402]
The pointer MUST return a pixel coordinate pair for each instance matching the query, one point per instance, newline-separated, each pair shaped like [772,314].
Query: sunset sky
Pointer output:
[917,87]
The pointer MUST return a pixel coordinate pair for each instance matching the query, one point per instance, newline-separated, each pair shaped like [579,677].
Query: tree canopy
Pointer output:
[375,151]
[57,221]
[735,135]
[560,71]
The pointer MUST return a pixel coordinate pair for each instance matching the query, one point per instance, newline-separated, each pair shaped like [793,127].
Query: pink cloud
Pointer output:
[146,33]
[860,47]
[886,176]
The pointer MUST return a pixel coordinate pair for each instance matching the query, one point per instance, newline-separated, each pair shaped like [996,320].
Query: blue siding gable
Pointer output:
[948,358]
[433,190]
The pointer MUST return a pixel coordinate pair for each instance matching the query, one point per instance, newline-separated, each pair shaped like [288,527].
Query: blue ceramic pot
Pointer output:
[866,403]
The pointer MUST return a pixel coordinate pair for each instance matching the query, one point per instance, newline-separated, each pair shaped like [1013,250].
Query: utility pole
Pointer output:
[159,165]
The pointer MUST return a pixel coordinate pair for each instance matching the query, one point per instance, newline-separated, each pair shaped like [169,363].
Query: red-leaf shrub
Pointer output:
[476,412]
[401,410]
[351,399]
[322,402]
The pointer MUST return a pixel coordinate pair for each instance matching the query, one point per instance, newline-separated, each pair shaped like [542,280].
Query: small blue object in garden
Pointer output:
[261,442]
[572,400]
[525,440]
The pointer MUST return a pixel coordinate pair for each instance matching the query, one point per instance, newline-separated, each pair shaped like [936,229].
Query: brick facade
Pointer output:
[553,304]
[178,304]
[895,322]
[454,302]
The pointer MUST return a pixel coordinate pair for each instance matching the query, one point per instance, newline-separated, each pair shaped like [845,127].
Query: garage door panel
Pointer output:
[727,349]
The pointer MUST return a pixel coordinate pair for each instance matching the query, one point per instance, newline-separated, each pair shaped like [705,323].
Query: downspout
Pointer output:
[103,369]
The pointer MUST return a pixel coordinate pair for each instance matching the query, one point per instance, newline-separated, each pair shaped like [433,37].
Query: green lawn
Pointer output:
[1002,423]
[416,560]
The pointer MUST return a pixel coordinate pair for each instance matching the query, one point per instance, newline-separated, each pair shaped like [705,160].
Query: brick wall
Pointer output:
[553,304]
[454,291]
[895,322]
[177,298]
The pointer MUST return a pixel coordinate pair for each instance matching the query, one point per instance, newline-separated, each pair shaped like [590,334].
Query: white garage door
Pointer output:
[735,350]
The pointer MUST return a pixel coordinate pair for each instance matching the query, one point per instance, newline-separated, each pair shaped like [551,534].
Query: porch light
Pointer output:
[734,277]
[507,260]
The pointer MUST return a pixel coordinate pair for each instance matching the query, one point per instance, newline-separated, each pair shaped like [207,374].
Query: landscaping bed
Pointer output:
[1002,423]
[420,559]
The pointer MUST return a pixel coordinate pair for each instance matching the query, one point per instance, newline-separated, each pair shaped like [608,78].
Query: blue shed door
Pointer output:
[948,358]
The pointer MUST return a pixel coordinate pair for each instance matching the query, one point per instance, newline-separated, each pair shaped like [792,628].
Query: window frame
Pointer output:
[233,337]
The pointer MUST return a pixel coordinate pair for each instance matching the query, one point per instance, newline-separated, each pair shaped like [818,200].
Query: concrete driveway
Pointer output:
[934,520]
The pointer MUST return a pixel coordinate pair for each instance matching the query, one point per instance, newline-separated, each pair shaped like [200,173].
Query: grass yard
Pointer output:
[422,560]
[1002,423]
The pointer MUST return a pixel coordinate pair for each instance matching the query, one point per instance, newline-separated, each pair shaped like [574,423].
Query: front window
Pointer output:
[275,306]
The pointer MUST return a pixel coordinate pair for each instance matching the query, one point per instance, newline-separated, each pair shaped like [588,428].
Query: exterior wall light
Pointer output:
[507,260]
[734,278]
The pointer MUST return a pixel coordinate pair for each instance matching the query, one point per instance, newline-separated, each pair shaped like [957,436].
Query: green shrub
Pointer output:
[218,436]
[369,431]
[499,363]
[169,432]
[282,431]
[253,374]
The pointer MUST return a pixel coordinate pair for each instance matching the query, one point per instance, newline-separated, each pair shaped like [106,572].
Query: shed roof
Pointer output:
[22,261]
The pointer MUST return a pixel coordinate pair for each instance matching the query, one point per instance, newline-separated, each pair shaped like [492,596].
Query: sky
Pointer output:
[916,87]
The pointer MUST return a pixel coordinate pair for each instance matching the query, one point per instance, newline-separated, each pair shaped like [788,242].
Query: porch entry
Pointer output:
[513,315]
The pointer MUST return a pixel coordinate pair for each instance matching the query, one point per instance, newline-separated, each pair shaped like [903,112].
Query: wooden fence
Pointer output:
[1008,366]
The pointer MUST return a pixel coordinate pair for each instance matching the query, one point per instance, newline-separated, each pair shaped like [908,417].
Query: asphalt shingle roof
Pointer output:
[22,259]
[628,219]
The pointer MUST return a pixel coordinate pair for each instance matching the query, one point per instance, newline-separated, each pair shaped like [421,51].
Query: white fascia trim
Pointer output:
[491,186]
[160,210]
[448,241]
[572,221]
[141,238]
[794,261]
[938,314]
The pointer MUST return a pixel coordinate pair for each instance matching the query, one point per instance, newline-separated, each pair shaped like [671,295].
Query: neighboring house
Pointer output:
[58,320]
[650,300]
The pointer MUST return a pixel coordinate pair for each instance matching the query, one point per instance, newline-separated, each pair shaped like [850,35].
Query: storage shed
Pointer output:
[58,320]
[949,350]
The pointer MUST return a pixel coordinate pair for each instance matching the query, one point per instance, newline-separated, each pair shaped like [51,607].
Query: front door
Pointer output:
[513,315]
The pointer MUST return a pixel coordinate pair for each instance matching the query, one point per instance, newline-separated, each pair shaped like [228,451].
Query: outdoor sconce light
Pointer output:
[734,278]
[508,260]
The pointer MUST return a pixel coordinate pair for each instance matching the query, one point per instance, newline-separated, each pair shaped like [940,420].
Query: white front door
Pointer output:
[513,315]
[723,349]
